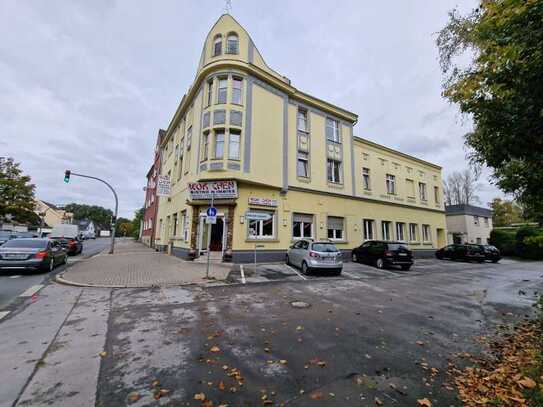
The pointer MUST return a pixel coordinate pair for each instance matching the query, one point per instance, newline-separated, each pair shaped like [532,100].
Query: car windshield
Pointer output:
[397,246]
[26,243]
[325,247]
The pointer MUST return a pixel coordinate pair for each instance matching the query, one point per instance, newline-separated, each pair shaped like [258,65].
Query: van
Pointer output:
[64,230]
[68,236]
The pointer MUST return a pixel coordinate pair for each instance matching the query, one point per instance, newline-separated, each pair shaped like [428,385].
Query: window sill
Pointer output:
[338,185]
[414,242]
[307,180]
[263,240]
[338,241]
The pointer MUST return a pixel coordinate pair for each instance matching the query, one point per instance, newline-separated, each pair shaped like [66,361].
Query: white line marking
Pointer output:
[31,291]
[15,276]
[242,273]
[3,314]
[296,271]
[350,275]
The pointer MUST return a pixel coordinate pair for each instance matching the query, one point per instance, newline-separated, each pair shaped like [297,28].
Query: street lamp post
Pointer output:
[114,221]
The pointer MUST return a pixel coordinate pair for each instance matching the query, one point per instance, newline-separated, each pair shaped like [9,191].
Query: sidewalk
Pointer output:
[135,265]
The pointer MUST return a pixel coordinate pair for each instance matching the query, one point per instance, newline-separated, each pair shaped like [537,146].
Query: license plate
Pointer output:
[14,256]
[328,259]
[402,254]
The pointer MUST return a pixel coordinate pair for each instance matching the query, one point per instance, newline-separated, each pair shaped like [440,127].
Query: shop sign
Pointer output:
[219,190]
[258,216]
[262,201]
[163,186]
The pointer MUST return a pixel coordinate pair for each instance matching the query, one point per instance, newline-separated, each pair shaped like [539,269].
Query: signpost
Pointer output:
[211,219]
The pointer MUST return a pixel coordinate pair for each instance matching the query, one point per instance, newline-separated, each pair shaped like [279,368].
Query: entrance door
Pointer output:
[217,229]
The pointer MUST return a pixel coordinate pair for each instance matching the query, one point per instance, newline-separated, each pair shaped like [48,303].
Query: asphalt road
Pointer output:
[13,283]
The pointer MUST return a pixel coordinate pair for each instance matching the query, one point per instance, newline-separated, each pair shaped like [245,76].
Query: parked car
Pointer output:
[309,255]
[465,252]
[6,235]
[69,238]
[491,253]
[26,234]
[31,254]
[383,254]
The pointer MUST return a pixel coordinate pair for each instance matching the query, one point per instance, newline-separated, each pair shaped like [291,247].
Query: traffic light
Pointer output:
[67,176]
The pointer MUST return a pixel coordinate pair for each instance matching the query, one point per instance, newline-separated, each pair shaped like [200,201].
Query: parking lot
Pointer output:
[280,272]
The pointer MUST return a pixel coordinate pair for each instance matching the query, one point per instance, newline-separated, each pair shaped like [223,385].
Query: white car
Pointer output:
[309,255]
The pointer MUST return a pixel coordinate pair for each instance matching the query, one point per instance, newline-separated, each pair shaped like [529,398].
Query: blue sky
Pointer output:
[87,84]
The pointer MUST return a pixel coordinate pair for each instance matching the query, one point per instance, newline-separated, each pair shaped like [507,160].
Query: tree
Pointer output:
[16,194]
[504,212]
[461,187]
[501,89]
[124,227]
[100,216]
[138,218]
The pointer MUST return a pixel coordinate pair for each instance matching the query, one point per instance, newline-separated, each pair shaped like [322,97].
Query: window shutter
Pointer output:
[335,223]
[300,217]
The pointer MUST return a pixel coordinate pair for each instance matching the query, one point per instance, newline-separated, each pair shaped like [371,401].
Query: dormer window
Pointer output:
[232,44]
[217,45]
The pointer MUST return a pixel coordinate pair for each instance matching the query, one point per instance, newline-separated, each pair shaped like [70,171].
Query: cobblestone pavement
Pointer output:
[135,265]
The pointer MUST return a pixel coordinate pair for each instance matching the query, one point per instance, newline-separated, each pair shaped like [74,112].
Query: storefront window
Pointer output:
[261,228]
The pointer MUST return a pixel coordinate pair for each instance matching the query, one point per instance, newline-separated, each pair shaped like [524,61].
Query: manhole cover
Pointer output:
[300,304]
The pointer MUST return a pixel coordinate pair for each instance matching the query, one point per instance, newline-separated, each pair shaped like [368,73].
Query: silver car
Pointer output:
[310,255]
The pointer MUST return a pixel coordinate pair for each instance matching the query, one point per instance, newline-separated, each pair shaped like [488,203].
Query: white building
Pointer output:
[468,224]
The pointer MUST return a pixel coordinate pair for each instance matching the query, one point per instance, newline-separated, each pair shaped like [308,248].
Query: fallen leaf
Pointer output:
[164,392]
[527,383]
[316,395]
[267,350]
[420,343]
[424,402]
[200,396]
[134,396]
[322,364]
[103,354]
[221,386]
[283,361]
[207,403]
[215,349]
[155,383]
[378,401]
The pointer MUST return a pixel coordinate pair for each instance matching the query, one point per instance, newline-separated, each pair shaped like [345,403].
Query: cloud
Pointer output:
[86,86]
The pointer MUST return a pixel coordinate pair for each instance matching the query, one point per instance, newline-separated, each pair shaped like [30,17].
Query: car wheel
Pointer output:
[305,269]
[406,268]
[287,260]
[354,258]
[379,263]
[337,272]
[65,259]
[51,264]
[495,261]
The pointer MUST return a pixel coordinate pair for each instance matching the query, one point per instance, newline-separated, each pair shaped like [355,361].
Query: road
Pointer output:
[370,337]
[13,283]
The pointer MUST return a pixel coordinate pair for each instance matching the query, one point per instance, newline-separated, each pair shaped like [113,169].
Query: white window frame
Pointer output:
[385,229]
[301,120]
[302,224]
[237,90]
[334,230]
[217,41]
[413,232]
[260,227]
[232,44]
[224,80]
[390,181]
[426,233]
[423,195]
[369,229]
[400,231]
[217,143]
[333,124]
[210,92]
[330,173]
[231,141]
[366,178]
[302,157]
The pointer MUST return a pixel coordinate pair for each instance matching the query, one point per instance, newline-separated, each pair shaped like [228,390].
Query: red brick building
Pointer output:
[151,201]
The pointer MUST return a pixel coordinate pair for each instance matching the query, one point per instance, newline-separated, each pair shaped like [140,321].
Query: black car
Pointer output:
[491,253]
[383,254]
[72,245]
[465,252]
[31,254]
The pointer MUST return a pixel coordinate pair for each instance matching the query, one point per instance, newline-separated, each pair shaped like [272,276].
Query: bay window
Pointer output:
[233,144]
[219,144]
[237,85]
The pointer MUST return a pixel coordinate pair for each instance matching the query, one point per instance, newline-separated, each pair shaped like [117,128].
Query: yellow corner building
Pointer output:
[281,165]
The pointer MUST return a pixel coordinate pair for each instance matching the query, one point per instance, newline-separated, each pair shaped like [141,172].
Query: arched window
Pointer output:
[232,44]
[217,45]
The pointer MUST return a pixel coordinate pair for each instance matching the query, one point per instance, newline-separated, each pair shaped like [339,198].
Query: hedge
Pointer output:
[526,242]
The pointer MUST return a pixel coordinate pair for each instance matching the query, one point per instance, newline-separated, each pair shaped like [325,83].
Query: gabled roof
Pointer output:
[465,209]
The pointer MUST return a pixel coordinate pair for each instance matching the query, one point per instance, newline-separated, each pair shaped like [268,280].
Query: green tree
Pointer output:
[138,218]
[16,193]
[124,227]
[504,212]
[100,216]
[501,89]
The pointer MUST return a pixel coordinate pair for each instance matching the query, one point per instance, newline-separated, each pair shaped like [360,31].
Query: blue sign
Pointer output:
[211,211]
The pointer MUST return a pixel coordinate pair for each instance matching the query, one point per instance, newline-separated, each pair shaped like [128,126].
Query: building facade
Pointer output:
[282,165]
[51,215]
[148,228]
[468,224]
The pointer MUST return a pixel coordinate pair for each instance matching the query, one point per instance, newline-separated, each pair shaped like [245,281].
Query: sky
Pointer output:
[85,85]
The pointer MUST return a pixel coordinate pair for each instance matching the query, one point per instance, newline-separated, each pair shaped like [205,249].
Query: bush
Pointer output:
[521,248]
[533,247]
[504,240]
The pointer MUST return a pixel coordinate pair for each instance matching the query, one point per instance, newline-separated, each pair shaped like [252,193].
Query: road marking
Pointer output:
[242,273]
[15,276]
[296,271]
[31,291]
[3,314]
[350,275]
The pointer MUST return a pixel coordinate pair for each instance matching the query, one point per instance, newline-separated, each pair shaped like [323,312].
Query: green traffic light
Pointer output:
[67,176]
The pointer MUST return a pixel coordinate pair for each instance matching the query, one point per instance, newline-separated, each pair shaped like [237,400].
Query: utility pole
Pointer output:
[114,220]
